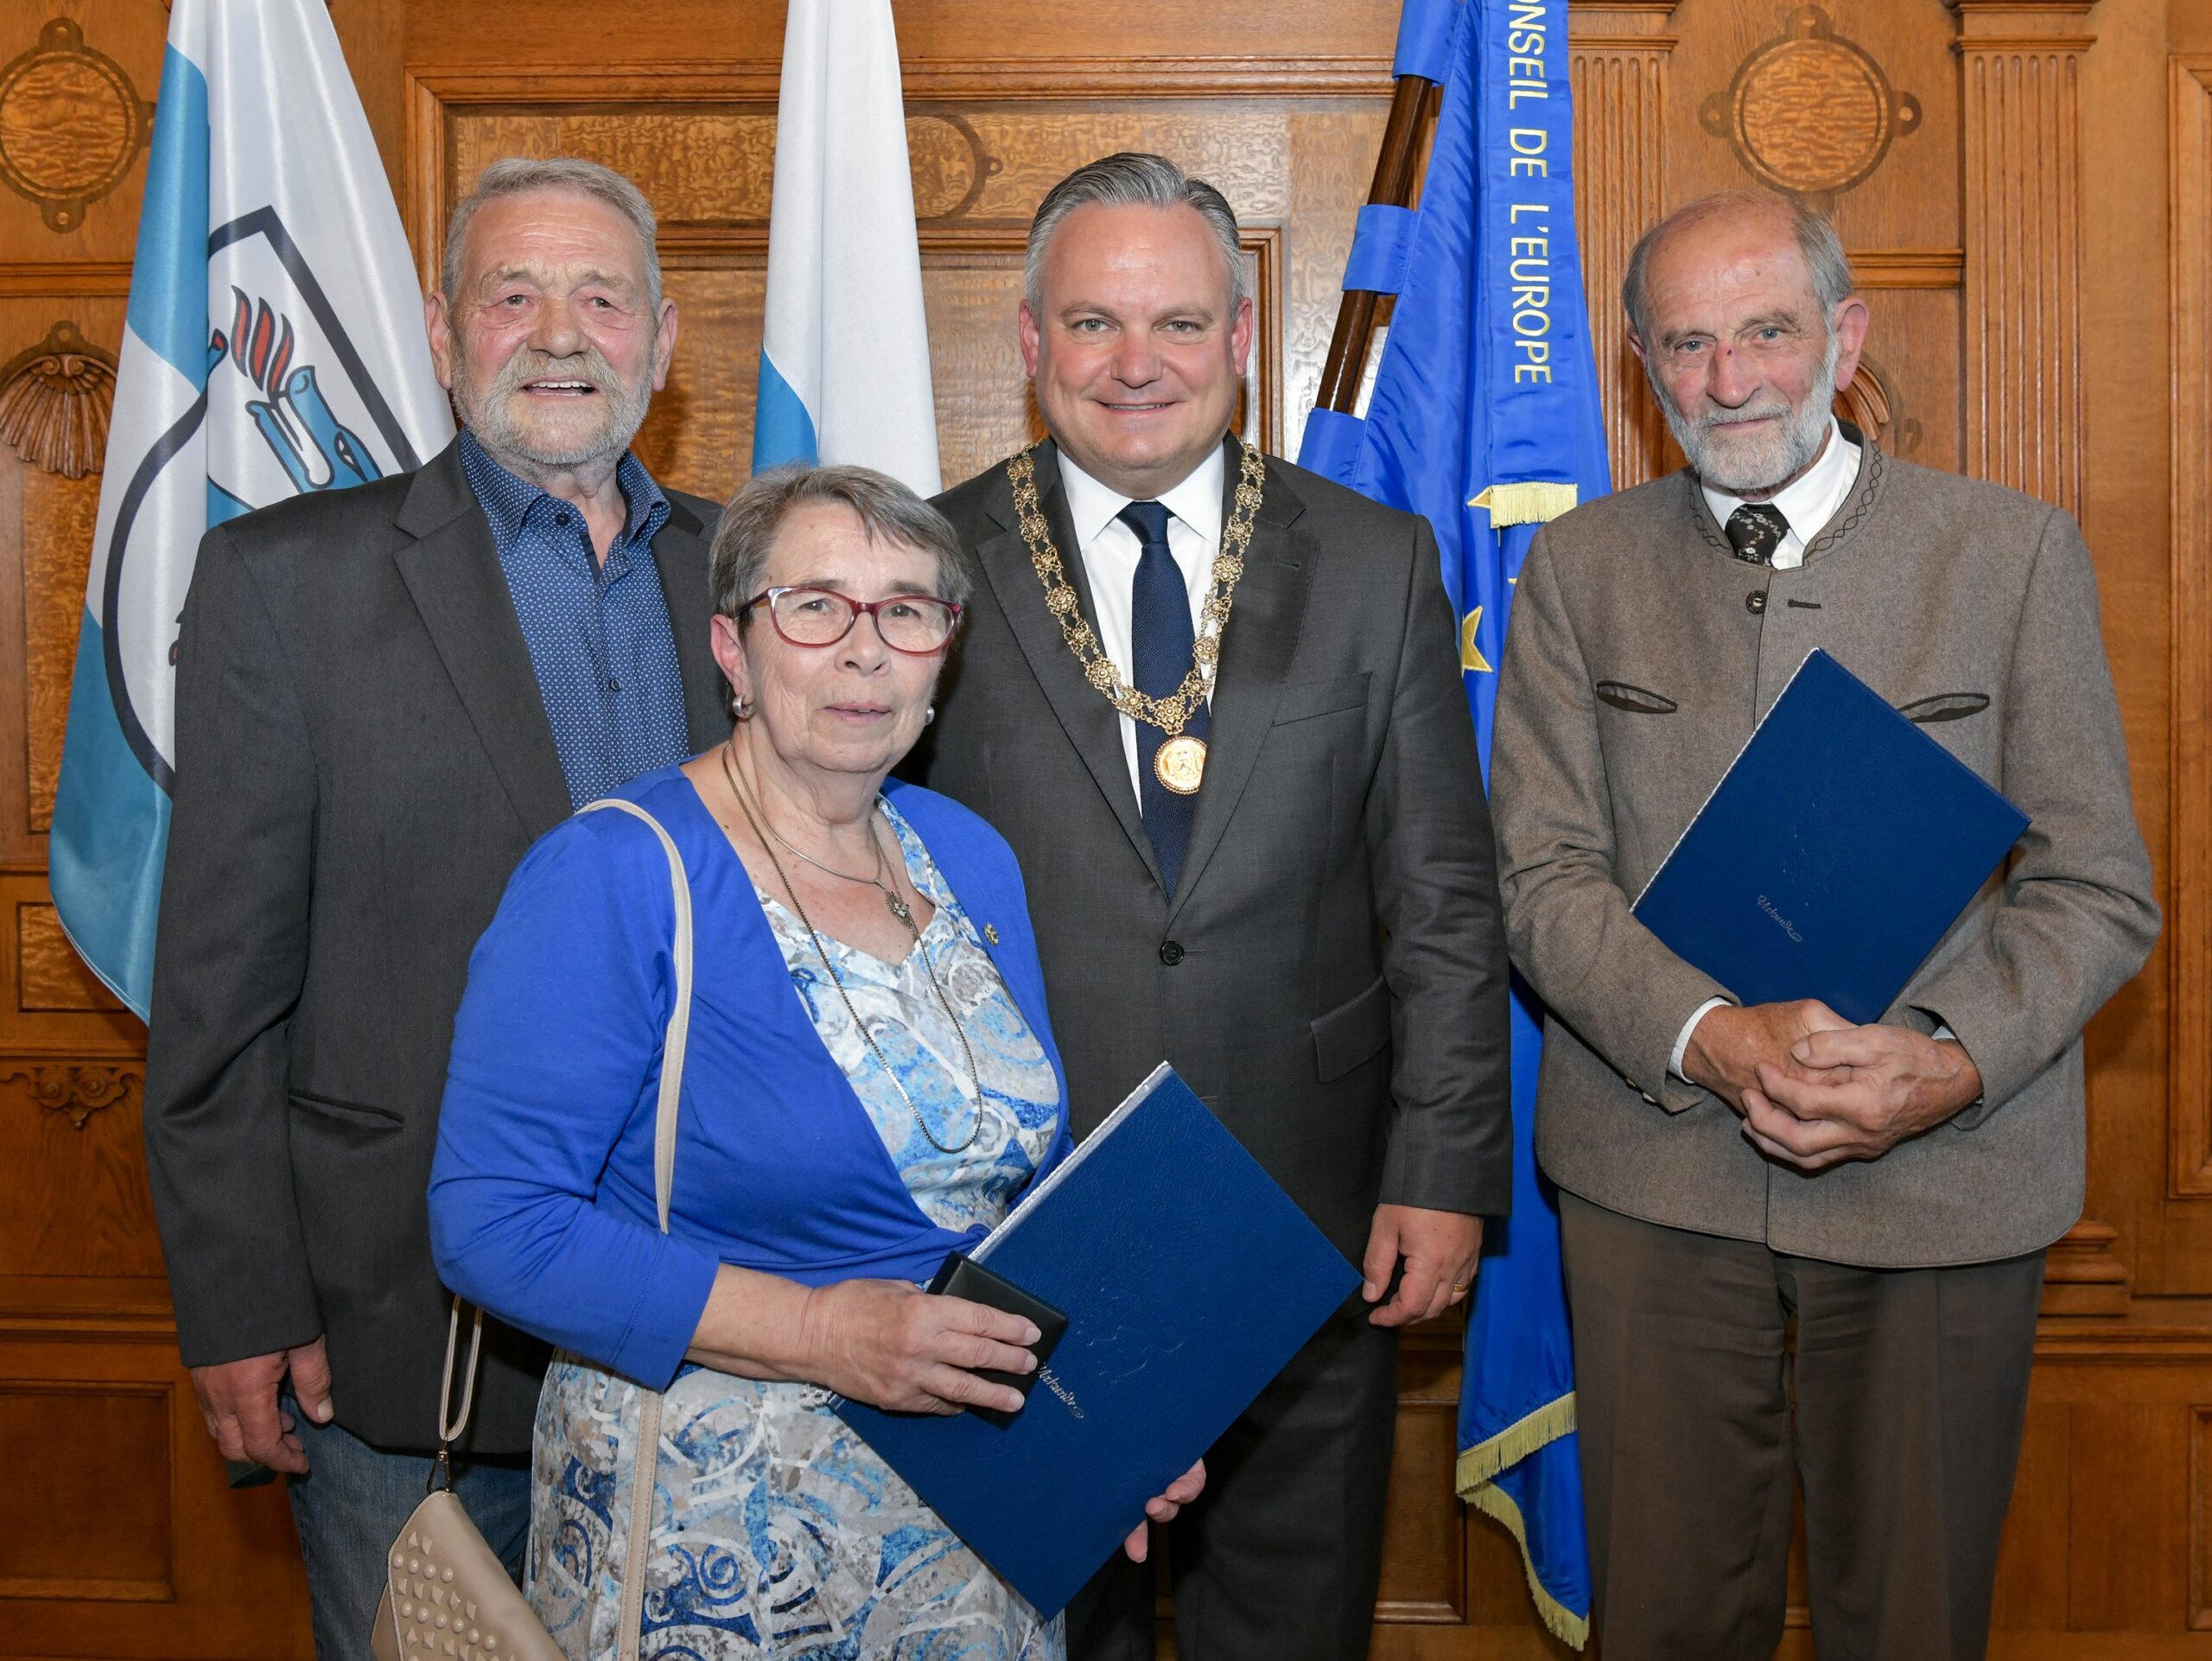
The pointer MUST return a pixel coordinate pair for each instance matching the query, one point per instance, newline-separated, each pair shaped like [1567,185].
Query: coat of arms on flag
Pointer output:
[273,345]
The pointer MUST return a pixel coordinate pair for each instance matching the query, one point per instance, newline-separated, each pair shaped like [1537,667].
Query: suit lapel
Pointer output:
[680,552]
[452,570]
[1257,647]
[1090,721]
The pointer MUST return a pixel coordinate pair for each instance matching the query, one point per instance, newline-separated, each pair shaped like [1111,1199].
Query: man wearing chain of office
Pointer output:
[1214,703]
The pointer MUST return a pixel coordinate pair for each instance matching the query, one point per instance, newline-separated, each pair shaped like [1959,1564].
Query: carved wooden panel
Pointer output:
[58,515]
[50,977]
[72,123]
[1620,169]
[2190,424]
[45,538]
[1810,112]
[73,1176]
[48,1004]
[2022,167]
[1294,173]
[2200,1518]
[141,1550]
[93,1460]
[1425,1546]
[55,399]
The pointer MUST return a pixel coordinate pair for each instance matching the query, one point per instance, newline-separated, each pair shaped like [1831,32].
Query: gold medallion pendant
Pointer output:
[1180,764]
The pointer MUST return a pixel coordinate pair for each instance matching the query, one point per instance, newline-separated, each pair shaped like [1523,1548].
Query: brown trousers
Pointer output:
[1909,1388]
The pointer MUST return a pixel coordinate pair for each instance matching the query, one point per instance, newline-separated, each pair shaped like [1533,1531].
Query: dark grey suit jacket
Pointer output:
[362,758]
[1330,975]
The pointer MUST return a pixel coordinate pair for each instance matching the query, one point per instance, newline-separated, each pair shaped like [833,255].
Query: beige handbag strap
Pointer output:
[671,1088]
[450,1425]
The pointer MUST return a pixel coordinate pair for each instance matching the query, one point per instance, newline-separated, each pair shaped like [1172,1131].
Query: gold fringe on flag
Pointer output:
[1527,501]
[1478,1474]
[1571,1629]
[1482,1462]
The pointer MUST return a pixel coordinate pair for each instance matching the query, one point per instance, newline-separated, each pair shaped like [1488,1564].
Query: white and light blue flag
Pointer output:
[845,349]
[274,344]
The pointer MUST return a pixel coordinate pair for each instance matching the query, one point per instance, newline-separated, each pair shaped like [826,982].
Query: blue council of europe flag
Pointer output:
[1484,419]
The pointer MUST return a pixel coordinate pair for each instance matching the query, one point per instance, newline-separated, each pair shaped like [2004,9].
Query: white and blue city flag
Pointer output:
[274,344]
[844,347]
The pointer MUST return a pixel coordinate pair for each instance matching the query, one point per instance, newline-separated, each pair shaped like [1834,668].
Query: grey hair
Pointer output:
[1132,179]
[513,176]
[888,510]
[1832,283]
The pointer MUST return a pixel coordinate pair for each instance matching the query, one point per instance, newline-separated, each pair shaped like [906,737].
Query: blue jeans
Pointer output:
[350,1505]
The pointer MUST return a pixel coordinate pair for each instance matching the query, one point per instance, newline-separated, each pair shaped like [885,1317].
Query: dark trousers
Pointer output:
[1910,1389]
[1278,1559]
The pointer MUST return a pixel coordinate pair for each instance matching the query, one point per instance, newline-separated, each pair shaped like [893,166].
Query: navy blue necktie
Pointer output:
[1160,652]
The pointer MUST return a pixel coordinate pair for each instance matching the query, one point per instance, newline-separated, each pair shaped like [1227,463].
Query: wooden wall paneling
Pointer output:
[2108,1503]
[1425,1546]
[1617,56]
[703,145]
[2190,923]
[2022,171]
[2031,1574]
[45,535]
[140,1548]
[2200,1518]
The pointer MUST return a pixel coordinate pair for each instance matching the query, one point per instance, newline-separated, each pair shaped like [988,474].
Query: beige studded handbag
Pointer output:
[447,1597]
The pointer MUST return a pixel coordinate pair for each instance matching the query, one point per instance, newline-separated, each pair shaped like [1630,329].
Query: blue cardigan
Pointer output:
[542,1193]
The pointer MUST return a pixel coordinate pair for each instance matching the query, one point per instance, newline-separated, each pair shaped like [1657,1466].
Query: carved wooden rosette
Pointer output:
[55,400]
[1872,403]
[1617,56]
[70,124]
[2022,166]
[1810,112]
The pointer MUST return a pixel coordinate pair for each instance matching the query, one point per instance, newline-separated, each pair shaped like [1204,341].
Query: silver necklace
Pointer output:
[891,896]
[904,914]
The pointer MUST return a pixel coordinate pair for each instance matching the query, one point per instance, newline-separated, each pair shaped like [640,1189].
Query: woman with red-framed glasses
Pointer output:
[869,1081]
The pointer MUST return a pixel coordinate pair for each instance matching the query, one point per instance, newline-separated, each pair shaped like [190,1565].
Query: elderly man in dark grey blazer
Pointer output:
[385,695]
[1214,703]
[1726,1171]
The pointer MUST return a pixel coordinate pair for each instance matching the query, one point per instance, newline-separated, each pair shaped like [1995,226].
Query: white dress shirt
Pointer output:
[1808,504]
[1110,551]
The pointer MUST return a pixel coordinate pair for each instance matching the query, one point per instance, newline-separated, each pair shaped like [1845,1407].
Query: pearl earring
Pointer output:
[929,715]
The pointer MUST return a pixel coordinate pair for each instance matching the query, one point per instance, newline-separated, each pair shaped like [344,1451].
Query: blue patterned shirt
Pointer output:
[599,633]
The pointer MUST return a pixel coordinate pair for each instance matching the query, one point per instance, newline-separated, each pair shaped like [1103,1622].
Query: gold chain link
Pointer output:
[1173,712]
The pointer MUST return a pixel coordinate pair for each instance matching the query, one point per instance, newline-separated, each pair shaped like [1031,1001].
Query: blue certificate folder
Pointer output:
[1189,1279]
[1832,855]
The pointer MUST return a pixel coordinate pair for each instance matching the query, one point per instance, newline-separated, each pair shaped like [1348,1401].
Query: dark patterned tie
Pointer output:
[1755,530]
[1160,653]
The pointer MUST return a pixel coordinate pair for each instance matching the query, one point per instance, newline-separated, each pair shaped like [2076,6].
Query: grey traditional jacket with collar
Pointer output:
[1640,654]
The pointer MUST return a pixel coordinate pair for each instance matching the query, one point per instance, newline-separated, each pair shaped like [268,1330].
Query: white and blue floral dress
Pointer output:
[776,1531]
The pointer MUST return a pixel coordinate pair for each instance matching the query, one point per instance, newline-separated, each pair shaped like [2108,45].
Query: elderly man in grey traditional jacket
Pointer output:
[1725,1171]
